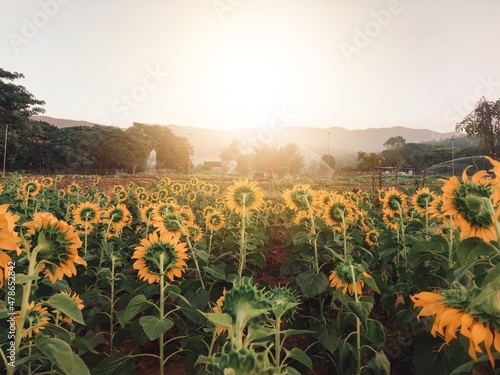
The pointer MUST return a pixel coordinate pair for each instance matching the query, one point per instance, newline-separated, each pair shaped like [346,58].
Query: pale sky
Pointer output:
[225,64]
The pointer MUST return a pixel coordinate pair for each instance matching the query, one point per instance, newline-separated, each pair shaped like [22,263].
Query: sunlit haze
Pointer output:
[229,64]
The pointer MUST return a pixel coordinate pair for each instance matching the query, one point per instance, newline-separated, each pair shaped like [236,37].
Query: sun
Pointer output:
[246,77]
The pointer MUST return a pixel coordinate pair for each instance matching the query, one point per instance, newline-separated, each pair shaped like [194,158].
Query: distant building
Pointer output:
[212,166]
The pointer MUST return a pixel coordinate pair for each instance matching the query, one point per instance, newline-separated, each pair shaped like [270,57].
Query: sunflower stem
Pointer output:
[450,245]
[112,303]
[315,240]
[162,309]
[243,253]
[195,258]
[358,323]
[32,271]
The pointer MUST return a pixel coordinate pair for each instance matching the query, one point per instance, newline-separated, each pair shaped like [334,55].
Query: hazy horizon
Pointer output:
[229,64]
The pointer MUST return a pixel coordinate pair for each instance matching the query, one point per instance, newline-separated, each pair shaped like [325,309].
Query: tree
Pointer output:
[395,142]
[484,122]
[370,161]
[17,105]
[230,155]
[172,152]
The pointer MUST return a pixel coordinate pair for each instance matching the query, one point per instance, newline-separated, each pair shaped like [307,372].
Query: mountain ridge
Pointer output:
[313,142]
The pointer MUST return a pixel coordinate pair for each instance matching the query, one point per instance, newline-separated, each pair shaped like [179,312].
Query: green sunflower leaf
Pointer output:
[136,305]
[301,356]
[312,284]
[220,320]
[115,364]
[66,306]
[57,351]
[362,310]
[472,248]
[154,327]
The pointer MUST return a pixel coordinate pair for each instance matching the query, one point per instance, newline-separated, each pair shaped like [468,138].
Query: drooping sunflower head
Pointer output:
[117,216]
[37,317]
[302,218]
[47,182]
[243,195]
[470,202]
[215,221]
[394,202]
[118,188]
[342,277]
[86,214]
[56,243]
[176,187]
[78,302]
[191,196]
[160,254]
[147,213]
[339,212]
[122,195]
[422,200]
[170,222]
[165,209]
[9,239]
[30,188]
[299,198]
[73,188]
[164,182]
[371,237]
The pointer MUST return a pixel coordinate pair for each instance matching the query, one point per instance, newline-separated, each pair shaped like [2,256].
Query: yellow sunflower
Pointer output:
[170,222]
[243,195]
[78,301]
[73,188]
[215,221]
[422,200]
[372,237]
[339,212]
[302,218]
[160,253]
[36,316]
[217,309]
[470,203]
[86,215]
[30,188]
[394,202]
[195,233]
[341,278]
[176,187]
[9,239]
[300,197]
[450,320]
[147,214]
[164,182]
[47,182]
[57,243]
[117,217]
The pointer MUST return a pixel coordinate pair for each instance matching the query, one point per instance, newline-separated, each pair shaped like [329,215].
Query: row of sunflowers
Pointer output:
[104,282]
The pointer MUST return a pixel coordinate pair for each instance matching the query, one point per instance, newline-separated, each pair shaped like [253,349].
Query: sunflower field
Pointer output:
[156,276]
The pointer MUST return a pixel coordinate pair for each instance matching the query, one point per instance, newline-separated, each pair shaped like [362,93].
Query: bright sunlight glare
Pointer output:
[247,77]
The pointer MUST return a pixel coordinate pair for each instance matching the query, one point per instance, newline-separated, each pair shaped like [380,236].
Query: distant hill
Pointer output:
[313,142]
[61,122]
